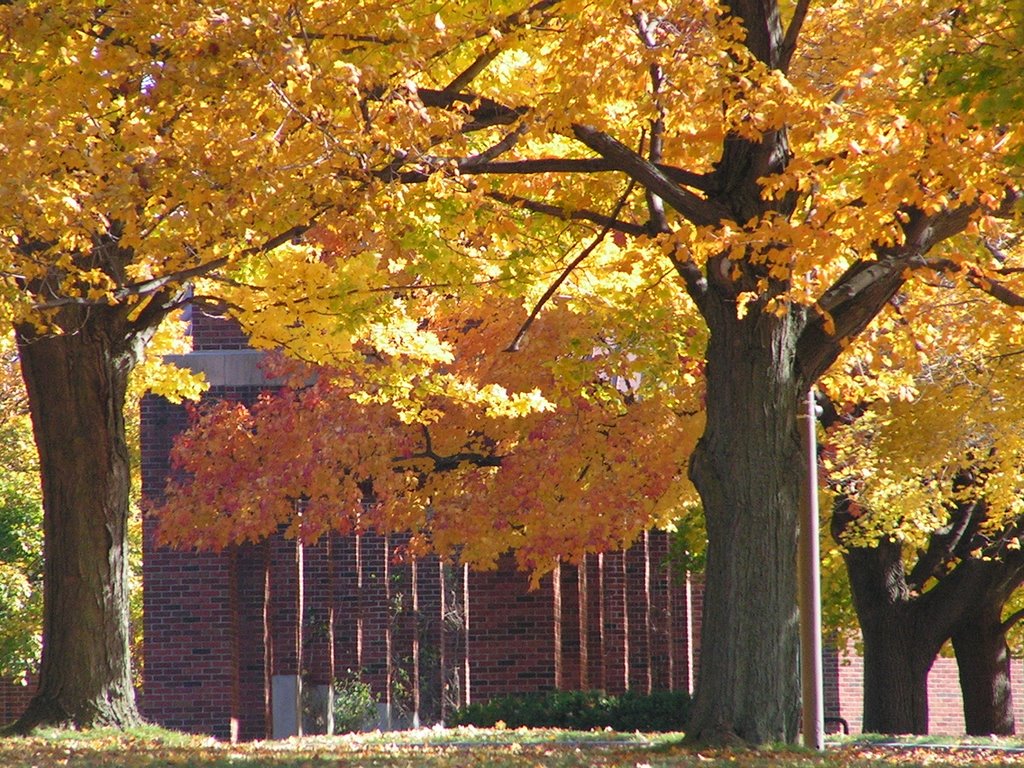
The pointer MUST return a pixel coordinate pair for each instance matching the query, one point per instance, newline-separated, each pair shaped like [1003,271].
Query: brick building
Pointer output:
[238,644]
[232,639]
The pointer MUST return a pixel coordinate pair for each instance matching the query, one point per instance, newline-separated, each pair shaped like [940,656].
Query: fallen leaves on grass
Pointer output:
[459,748]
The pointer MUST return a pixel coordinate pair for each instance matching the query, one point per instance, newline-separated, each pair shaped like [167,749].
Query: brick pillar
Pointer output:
[317,637]
[570,647]
[454,615]
[346,606]
[680,606]
[583,623]
[317,610]
[638,616]
[286,613]
[403,670]
[594,566]
[429,585]
[556,624]
[696,602]
[374,613]
[661,632]
[189,631]
[253,662]
[830,684]
[616,624]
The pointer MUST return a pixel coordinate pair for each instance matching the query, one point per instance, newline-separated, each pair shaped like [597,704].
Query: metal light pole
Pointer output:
[809,573]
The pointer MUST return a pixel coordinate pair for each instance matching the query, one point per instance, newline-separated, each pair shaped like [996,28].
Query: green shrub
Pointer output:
[355,706]
[581,710]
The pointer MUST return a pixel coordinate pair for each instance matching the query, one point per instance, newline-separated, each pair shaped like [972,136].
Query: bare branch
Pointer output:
[700,181]
[555,211]
[857,296]
[943,544]
[480,63]
[452,461]
[484,111]
[655,205]
[156,284]
[994,288]
[1012,620]
[514,346]
[693,276]
[696,209]
[503,146]
[508,24]
[789,42]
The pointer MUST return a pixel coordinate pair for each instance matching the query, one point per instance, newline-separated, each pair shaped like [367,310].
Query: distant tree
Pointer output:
[928,514]
[21,517]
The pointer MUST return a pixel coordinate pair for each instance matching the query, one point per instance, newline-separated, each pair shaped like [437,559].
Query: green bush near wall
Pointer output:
[581,710]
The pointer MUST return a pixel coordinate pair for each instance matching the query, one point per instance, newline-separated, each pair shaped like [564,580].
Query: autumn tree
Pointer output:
[792,172]
[126,171]
[782,165]
[143,146]
[928,510]
[791,167]
[468,478]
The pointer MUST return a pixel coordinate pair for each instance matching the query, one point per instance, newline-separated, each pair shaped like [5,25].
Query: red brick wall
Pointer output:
[211,331]
[14,697]
[511,633]
[190,628]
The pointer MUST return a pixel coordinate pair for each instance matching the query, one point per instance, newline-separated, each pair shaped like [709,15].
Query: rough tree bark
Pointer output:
[983,659]
[897,652]
[747,470]
[76,373]
[979,638]
[904,625]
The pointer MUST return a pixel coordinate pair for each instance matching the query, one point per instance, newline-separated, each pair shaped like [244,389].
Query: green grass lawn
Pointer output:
[457,747]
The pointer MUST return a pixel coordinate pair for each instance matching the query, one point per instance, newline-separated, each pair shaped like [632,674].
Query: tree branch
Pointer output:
[183,275]
[514,346]
[452,461]
[510,23]
[484,111]
[1012,620]
[700,181]
[483,158]
[792,35]
[994,288]
[555,211]
[861,292]
[655,205]
[479,64]
[942,546]
[696,209]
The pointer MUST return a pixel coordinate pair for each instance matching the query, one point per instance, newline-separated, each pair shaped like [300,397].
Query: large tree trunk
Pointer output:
[898,651]
[895,672]
[983,659]
[747,468]
[76,382]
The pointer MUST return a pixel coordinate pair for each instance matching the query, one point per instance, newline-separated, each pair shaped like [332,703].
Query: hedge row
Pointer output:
[581,710]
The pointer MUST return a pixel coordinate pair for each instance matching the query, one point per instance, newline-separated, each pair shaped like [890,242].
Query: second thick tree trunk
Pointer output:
[895,673]
[983,659]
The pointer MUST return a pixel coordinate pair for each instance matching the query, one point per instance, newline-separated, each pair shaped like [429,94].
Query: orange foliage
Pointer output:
[556,482]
